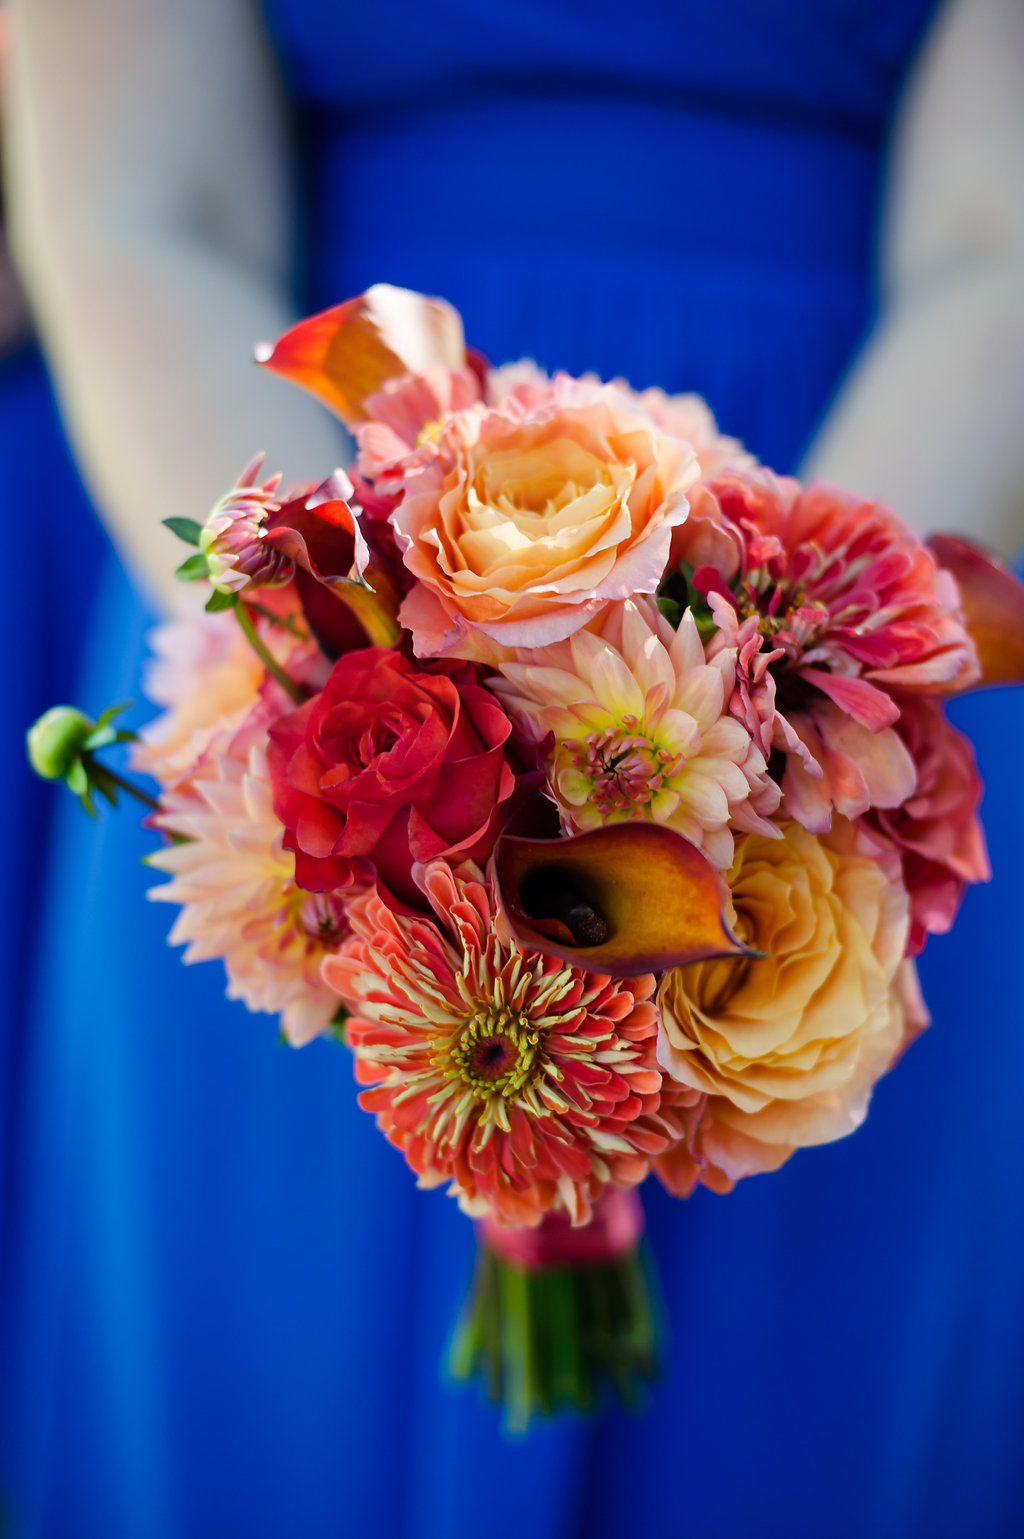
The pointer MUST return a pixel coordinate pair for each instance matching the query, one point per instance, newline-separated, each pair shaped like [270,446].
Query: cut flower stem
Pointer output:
[294,691]
[557,1339]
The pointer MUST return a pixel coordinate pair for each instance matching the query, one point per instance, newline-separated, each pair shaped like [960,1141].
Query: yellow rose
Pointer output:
[786,1048]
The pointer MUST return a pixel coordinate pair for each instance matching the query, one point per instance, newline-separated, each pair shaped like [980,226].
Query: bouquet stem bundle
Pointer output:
[545,1338]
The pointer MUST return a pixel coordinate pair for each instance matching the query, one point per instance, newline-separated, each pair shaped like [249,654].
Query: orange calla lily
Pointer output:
[345,354]
[992,598]
[624,899]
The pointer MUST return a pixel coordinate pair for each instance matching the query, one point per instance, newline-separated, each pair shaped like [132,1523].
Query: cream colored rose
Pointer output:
[788,1047]
[532,519]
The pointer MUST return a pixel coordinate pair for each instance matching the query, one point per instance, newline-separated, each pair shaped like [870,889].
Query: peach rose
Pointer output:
[530,521]
[788,1047]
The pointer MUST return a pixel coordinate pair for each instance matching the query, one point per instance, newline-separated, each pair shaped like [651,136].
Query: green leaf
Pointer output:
[78,779]
[185,528]
[218,601]
[104,784]
[193,568]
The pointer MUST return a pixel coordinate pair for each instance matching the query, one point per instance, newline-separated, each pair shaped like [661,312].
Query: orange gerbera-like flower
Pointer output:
[527,1083]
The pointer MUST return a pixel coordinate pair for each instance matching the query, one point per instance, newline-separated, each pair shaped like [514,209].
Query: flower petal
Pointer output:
[992,599]
[345,354]
[662,901]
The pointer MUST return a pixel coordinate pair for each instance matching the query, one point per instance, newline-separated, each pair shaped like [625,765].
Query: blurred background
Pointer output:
[223,1305]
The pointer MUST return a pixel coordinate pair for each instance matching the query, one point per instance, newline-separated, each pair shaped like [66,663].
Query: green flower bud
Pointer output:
[56,741]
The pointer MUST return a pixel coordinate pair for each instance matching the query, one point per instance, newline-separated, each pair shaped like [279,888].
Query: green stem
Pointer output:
[292,690]
[130,788]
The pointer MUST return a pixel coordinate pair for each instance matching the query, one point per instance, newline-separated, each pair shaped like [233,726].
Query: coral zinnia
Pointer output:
[235,882]
[529,1084]
[641,730]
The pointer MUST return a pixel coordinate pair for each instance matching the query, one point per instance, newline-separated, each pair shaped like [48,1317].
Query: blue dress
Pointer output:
[230,1302]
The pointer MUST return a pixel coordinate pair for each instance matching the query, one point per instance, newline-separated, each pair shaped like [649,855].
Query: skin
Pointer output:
[151,215]
[929,420]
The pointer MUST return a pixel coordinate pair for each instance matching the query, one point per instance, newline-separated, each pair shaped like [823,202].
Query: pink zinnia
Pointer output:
[851,605]
[526,1083]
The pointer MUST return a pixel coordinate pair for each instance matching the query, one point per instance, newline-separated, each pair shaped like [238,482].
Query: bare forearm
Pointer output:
[151,214]
[930,420]
[166,405]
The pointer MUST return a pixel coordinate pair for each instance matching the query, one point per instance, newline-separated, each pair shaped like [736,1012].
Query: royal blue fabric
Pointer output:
[231,1302]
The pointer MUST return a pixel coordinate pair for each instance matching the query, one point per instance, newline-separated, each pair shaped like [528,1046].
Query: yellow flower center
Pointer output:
[496,1052]
[430,432]
[624,766]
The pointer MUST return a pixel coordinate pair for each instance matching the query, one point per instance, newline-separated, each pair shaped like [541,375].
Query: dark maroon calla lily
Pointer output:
[992,598]
[357,602]
[624,899]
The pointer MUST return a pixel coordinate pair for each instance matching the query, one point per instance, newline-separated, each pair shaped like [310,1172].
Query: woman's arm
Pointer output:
[932,417]
[151,216]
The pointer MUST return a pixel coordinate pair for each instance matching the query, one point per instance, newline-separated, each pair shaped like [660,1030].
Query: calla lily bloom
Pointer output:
[321,534]
[623,899]
[992,599]
[345,354]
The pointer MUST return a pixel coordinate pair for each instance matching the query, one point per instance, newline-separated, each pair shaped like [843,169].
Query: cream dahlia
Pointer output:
[235,884]
[208,678]
[639,727]
[526,1083]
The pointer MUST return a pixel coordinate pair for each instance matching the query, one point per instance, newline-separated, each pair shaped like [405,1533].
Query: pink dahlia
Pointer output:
[526,1083]
[690,418]
[235,883]
[523,386]
[850,605]
[638,726]
[404,422]
[937,829]
[234,537]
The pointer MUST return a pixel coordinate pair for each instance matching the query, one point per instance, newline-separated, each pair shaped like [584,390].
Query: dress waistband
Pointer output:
[659,180]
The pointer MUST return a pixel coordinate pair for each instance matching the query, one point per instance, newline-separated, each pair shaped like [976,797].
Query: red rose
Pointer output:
[390,765]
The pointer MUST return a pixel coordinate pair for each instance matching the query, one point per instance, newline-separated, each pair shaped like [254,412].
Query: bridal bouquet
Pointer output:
[591,782]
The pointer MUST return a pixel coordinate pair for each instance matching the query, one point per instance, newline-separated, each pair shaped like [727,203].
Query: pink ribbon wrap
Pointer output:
[614,1231]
